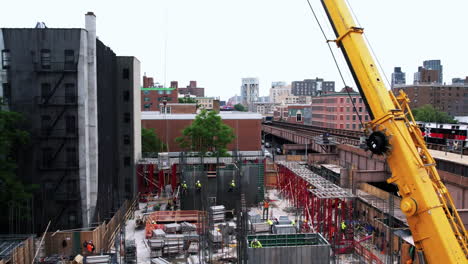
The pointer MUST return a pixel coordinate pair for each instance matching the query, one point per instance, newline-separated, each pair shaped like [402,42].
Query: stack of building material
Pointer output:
[254,217]
[194,247]
[217,213]
[172,228]
[192,236]
[284,220]
[284,229]
[130,251]
[159,233]
[187,227]
[159,261]
[260,227]
[173,244]
[102,259]
[215,236]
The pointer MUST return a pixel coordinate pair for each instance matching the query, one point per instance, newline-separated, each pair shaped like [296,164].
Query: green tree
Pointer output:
[427,113]
[150,143]
[240,107]
[207,133]
[14,194]
[187,100]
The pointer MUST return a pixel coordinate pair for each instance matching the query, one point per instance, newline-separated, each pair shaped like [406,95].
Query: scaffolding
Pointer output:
[326,208]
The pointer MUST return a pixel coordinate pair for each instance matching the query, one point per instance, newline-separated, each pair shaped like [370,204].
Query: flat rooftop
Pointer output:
[234,115]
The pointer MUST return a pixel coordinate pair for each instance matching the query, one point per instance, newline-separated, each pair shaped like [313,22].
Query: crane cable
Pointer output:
[336,63]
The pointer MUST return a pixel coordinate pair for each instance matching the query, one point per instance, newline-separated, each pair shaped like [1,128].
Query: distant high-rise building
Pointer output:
[249,92]
[460,80]
[279,90]
[430,72]
[435,65]
[398,77]
[312,87]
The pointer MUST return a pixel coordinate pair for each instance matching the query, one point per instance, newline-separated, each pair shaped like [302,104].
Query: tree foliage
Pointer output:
[150,142]
[240,107]
[187,100]
[427,113]
[207,133]
[13,192]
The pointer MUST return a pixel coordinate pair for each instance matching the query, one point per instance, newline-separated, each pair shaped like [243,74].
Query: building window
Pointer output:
[354,117]
[347,117]
[354,100]
[70,93]
[146,92]
[354,126]
[126,96]
[45,58]
[126,73]
[347,126]
[168,92]
[127,161]
[6,90]
[127,117]
[366,117]
[71,157]
[146,99]
[47,157]
[6,59]
[161,92]
[342,100]
[341,117]
[347,109]
[347,100]
[70,124]
[126,140]
[360,100]
[146,106]
[298,117]
[45,123]
[45,90]
[69,57]
[360,109]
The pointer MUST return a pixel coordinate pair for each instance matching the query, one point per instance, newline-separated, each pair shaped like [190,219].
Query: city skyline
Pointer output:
[285,43]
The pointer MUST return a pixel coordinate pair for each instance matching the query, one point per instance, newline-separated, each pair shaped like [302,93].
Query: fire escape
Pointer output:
[58,132]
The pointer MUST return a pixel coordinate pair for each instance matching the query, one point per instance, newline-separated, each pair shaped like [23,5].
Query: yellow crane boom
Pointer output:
[437,229]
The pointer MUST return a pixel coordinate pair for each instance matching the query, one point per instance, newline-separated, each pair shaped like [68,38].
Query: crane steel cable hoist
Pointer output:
[438,232]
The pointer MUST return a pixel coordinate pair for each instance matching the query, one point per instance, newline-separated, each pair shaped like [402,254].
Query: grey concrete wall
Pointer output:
[318,254]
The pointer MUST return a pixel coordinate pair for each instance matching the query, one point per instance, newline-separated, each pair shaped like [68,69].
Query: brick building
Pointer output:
[191,89]
[153,97]
[247,128]
[452,99]
[335,110]
[295,113]
[148,82]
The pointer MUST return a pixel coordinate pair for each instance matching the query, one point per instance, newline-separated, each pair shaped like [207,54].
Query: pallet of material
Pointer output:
[254,217]
[156,253]
[159,233]
[172,228]
[156,243]
[260,227]
[217,213]
[215,236]
[284,229]
[192,236]
[193,247]
[195,260]
[187,227]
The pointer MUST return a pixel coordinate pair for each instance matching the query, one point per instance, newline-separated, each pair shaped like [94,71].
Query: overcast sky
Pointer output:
[217,42]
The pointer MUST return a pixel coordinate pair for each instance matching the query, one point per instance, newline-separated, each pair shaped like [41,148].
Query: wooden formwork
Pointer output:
[70,242]
[22,254]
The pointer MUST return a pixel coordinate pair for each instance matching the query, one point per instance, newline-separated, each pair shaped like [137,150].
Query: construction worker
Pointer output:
[184,185]
[198,185]
[255,244]
[270,224]
[293,223]
[90,246]
[266,205]
[232,185]
[343,226]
